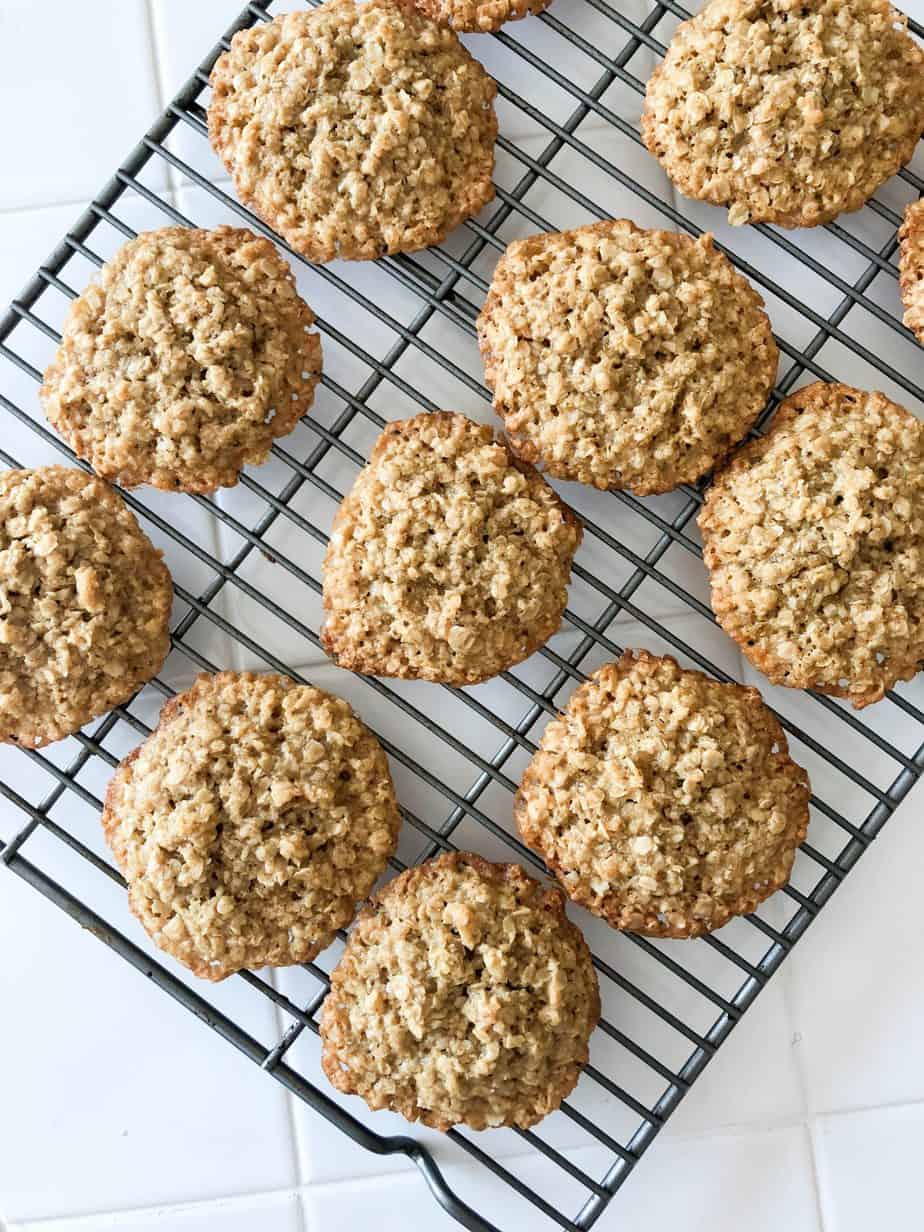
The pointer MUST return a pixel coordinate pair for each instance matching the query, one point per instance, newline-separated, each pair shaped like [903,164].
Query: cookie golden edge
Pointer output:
[204,684]
[352,657]
[491,310]
[48,731]
[485,16]
[613,913]
[911,267]
[776,670]
[297,398]
[334,1016]
[479,189]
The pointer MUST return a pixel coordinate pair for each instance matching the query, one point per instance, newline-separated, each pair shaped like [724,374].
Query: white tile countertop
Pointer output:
[118,1109]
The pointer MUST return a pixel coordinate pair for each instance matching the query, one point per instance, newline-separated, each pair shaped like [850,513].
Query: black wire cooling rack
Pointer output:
[399,336]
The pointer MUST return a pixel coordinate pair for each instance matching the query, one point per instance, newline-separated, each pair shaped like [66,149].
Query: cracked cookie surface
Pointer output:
[464,996]
[448,560]
[84,603]
[786,112]
[624,358]
[814,540]
[184,360]
[355,130]
[664,801]
[251,822]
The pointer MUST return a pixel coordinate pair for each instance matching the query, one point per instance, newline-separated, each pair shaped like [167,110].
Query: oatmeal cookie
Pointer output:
[624,358]
[250,822]
[355,130]
[479,16]
[184,360]
[814,540]
[790,113]
[84,603]
[664,801]
[911,265]
[464,996]
[448,560]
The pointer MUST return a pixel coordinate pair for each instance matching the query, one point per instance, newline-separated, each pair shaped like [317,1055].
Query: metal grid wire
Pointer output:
[399,337]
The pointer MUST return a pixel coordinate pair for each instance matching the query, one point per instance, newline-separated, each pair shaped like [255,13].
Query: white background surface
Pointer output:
[119,1110]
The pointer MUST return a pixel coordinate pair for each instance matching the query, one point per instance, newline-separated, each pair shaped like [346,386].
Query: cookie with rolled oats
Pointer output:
[480,16]
[85,603]
[814,539]
[355,129]
[449,559]
[786,111]
[664,801]
[911,267]
[251,822]
[464,996]
[184,360]
[624,358]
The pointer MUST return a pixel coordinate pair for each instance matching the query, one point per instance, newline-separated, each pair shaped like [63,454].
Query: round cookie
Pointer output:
[479,16]
[250,822]
[911,267]
[184,360]
[624,358]
[814,539]
[786,113]
[355,130]
[464,996]
[449,559]
[84,603]
[664,801]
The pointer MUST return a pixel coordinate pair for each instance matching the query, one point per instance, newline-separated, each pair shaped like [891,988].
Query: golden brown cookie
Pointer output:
[814,539]
[84,603]
[786,113]
[355,130]
[184,361]
[664,801]
[624,358]
[479,16]
[449,560]
[250,822]
[464,996]
[911,267]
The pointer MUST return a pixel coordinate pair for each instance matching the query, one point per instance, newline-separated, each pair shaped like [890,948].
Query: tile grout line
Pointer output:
[295,1144]
[155,44]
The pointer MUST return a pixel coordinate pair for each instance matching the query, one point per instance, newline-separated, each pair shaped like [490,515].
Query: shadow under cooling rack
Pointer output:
[247,570]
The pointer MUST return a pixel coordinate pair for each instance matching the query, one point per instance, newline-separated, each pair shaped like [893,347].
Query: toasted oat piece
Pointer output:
[814,539]
[624,358]
[250,822]
[355,129]
[449,559]
[464,996]
[911,267]
[786,113]
[84,603]
[664,801]
[479,16]
[184,360]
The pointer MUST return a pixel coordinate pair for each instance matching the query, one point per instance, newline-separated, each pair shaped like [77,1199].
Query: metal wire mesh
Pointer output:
[398,337]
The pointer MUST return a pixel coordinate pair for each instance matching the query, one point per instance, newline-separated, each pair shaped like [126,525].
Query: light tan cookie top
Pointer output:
[449,560]
[479,16]
[624,358]
[814,539]
[664,801]
[355,129]
[911,267]
[787,112]
[184,360]
[464,995]
[84,603]
[250,822]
